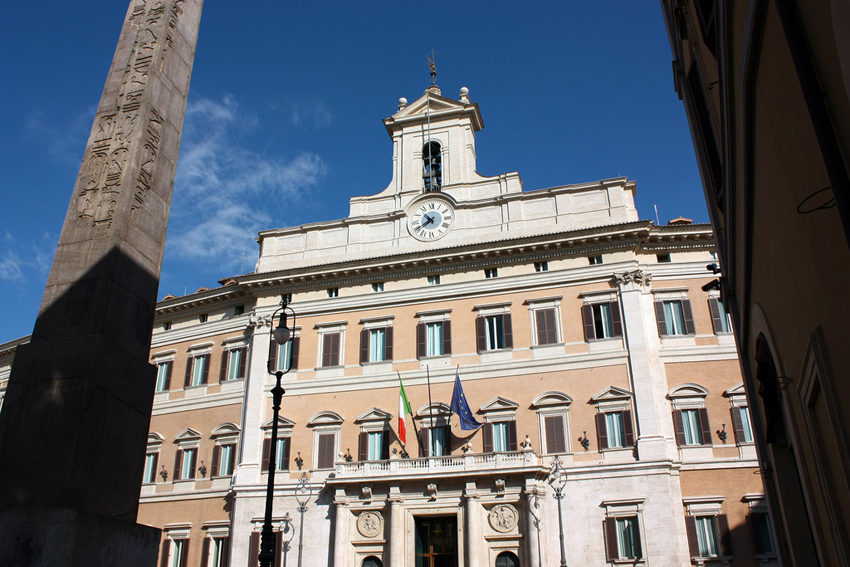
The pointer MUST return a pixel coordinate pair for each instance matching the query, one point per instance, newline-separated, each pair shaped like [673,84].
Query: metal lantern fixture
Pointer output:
[558,480]
[281,335]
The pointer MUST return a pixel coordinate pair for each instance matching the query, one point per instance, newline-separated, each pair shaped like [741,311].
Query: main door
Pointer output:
[436,541]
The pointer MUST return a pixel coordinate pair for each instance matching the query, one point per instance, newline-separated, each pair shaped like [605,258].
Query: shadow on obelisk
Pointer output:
[74,426]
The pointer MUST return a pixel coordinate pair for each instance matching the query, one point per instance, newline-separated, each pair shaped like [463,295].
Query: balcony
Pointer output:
[449,464]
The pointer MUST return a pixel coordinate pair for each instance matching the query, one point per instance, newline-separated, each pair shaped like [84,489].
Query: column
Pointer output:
[533,513]
[473,543]
[649,382]
[396,532]
[342,530]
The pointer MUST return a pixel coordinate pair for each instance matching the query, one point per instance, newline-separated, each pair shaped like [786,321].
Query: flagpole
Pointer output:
[430,407]
[413,419]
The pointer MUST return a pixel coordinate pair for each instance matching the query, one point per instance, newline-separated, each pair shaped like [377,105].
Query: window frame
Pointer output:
[372,327]
[224,435]
[690,397]
[626,509]
[497,313]
[490,273]
[609,401]
[427,318]
[154,448]
[709,507]
[434,280]
[285,427]
[442,420]
[542,266]
[553,404]
[231,347]
[163,378]
[325,330]
[187,441]
[663,297]
[372,422]
[502,412]
[288,352]
[326,423]
[545,304]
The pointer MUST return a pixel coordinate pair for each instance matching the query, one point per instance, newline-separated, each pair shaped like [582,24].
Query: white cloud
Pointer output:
[225,193]
[311,115]
[64,141]
[11,267]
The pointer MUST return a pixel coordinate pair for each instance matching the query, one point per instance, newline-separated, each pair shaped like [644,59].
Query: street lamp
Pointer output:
[288,531]
[558,480]
[282,334]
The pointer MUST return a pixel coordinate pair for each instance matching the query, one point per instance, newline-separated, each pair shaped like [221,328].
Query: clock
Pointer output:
[431,219]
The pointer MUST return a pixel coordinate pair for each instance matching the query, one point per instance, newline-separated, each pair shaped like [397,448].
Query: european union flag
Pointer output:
[461,408]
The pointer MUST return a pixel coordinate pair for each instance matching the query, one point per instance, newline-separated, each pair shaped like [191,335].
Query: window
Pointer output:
[327,445]
[437,437]
[762,533]
[163,376]
[378,286]
[197,370]
[491,273]
[601,320]
[433,280]
[663,258]
[541,266]
[239,310]
[151,460]
[720,319]
[707,527]
[622,536]
[692,427]
[614,429]
[433,339]
[175,553]
[706,532]
[507,559]
[555,438]
[184,464]
[376,345]
[741,425]
[500,436]
[333,292]
[546,326]
[432,168]
[203,318]
[216,551]
[593,260]
[166,326]
[330,349]
[233,364]
[494,332]
[281,457]
[674,317]
[223,459]
[373,446]
[284,357]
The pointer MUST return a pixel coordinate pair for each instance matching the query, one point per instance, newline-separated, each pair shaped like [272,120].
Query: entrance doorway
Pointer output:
[436,541]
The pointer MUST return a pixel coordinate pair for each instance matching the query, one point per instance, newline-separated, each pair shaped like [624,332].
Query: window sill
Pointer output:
[544,351]
[373,368]
[500,355]
[629,561]
[330,371]
[605,345]
[717,560]
[195,391]
[434,361]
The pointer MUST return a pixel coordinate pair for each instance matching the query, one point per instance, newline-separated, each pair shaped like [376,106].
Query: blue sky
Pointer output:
[284,116]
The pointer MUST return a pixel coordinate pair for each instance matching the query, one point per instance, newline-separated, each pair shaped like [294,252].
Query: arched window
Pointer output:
[372,561]
[432,168]
[507,559]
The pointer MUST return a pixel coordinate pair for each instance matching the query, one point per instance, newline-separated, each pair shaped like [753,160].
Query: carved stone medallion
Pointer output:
[370,523]
[503,518]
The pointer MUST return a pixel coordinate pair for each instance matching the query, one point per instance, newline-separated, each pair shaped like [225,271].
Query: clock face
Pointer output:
[431,219]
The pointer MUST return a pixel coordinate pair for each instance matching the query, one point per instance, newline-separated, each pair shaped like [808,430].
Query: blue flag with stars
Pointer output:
[461,408]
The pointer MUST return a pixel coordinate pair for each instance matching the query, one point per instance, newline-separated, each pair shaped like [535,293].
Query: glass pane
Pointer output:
[438,441]
[280,451]
[161,372]
[707,536]
[495,332]
[150,458]
[675,318]
[376,446]
[377,344]
[226,460]
[724,317]
[284,356]
[616,431]
[188,464]
[500,436]
[628,538]
[690,423]
[233,368]
[198,370]
[745,424]
[434,339]
[606,320]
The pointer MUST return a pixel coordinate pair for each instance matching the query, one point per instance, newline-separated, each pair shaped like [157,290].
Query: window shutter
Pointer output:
[326,449]
[243,362]
[693,541]
[611,544]
[385,445]
[273,348]
[278,544]
[166,549]
[679,426]
[512,444]
[738,425]
[205,377]
[602,431]
[168,366]
[205,551]
[267,447]
[363,446]
[364,346]
[488,438]
[628,428]
[716,318]
[480,333]
[555,442]
[330,349]
[216,460]
[705,426]
[421,347]
[616,319]
[188,380]
[178,464]
[184,553]
[540,319]
[222,374]
[225,551]
[296,343]
[388,344]
[689,316]
[725,534]
[587,319]
[425,442]
[447,337]
[287,444]
[254,550]
[509,336]
[659,317]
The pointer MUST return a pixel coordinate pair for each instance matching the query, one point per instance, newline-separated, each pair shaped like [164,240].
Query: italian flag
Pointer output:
[403,410]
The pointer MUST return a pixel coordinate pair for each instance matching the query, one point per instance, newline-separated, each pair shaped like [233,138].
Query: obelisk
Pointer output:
[74,422]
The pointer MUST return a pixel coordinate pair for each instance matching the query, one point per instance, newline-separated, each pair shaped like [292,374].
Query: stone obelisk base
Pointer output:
[52,537]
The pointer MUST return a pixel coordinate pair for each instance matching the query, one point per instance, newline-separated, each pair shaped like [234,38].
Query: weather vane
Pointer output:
[432,65]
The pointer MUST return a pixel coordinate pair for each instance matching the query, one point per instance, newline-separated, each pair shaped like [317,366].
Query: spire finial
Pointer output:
[432,65]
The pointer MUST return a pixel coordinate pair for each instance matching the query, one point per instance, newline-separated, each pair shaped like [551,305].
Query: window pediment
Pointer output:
[187,434]
[282,422]
[155,438]
[440,408]
[735,391]
[373,415]
[498,404]
[325,418]
[551,399]
[687,390]
[611,394]
[225,430]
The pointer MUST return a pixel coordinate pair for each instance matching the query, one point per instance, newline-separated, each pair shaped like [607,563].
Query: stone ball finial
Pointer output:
[402,102]
[464,94]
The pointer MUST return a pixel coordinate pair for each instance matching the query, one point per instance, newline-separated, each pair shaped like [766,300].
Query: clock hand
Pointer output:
[429,221]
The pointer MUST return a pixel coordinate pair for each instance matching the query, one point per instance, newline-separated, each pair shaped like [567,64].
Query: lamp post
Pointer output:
[282,334]
[289,529]
[558,480]
[302,494]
